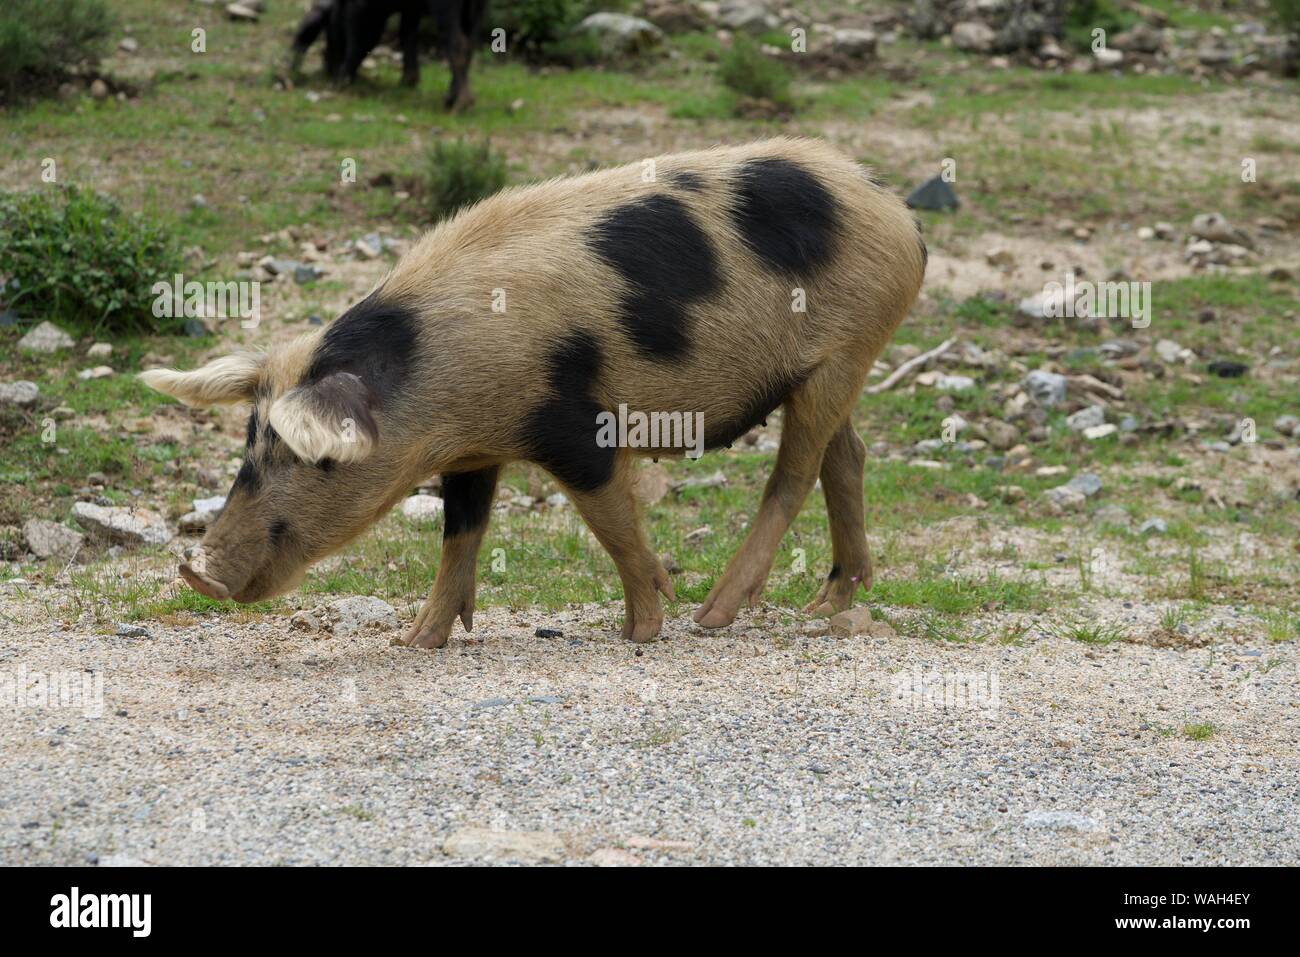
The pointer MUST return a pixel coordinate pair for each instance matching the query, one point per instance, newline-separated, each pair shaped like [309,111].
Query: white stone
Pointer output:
[422,508]
[47,338]
[121,525]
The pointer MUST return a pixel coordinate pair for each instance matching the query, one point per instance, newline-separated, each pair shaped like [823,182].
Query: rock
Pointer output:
[1009,493]
[953,383]
[533,847]
[851,623]
[854,44]
[128,44]
[1107,58]
[1226,369]
[1100,431]
[132,631]
[934,194]
[47,338]
[1063,498]
[1001,435]
[304,274]
[46,539]
[98,372]
[99,89]
[1216,228]
[1046,388]
[347,616]
[1000,258]
[21,393]
[121,525]
[1093,415]
[716,480]
[99,350]
[1085,483]
[242,12]
[1153,526]
[424,509]
[747,15]
[675,17]
[973,36]
[1140,38]
[369,246]
[1287,425]
[205,513]
[619,33]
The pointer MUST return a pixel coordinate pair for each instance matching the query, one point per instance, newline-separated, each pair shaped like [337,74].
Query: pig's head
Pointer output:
[315,474]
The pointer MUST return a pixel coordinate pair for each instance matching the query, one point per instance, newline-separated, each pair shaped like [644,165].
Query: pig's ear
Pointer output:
[328,419]
[225,380]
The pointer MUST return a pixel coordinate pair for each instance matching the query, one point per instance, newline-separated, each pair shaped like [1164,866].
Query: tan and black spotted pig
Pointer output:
[670,292]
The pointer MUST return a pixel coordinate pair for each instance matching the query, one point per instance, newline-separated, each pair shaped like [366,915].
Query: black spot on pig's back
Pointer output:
[667,263]
[785,215]
[375,340]
[560,434]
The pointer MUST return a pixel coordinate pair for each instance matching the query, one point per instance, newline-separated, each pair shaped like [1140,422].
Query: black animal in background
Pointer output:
[353,28]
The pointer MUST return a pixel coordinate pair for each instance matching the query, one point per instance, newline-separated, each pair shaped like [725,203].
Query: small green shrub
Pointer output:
[460,173]
[748,71]
[1084,16]
[74,257]
[41,39]
[542,31]
[1287,15]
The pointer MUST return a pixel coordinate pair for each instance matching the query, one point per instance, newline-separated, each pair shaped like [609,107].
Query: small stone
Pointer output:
[1010,493]
[973,36]
[548,633]
[534,847]
[46,539]
[347,616]
[99,350]
[851,623]
[1100,431]
[121,525]
[132,631]
[98,372]
[854,44]
[241,11]
[1153,526]
[1046,388]
[1085,483]
[934,194]
[1226,369]
[21,393]
[619,33]
[1115,515]
[99,89]
[45,338]
[1001,435]
[128,44]
[1090,417]
[424,509]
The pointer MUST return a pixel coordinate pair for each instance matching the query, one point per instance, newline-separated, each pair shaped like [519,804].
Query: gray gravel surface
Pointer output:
[228,742]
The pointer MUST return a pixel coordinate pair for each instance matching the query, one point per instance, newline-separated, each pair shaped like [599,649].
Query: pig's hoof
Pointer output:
[714,615]
[836,595]
[432,635]
[642,631]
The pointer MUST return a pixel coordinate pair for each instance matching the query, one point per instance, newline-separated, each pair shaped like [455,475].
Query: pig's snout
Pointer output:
[194,573]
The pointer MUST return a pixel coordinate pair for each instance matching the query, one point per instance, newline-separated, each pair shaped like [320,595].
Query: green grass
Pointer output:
[1199,731]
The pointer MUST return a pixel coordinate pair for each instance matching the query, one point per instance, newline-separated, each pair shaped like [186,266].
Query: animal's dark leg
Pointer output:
[468,497]
[311,27]
[410,46]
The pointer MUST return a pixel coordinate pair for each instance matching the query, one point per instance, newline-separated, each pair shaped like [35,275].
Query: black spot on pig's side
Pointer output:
[247,480]
[251,435]
[667,263]
[375,340]
[468,497]
[785,215]
[560,434]
[754,412]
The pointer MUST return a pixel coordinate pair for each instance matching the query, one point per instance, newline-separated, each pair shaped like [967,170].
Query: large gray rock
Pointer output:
[934,194]
[748,15]
[620,33]
[45,338]
[1046,388]
[973,36]
[21,393]
[1086,418]
[46,539]
[854,44]
[121,525]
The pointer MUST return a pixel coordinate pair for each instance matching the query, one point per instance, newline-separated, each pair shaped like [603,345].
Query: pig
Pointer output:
[723,284]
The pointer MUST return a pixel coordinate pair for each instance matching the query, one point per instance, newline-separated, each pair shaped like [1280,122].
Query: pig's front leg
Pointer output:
[468,497]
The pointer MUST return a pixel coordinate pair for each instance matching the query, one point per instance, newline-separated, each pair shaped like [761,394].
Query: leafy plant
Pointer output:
[40,40]
[542,31]
[746,70]
[460,173]
[74,257]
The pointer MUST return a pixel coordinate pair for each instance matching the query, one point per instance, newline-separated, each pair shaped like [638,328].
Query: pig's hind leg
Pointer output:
[813,413]
[611,513]
[468,497]
[841,474]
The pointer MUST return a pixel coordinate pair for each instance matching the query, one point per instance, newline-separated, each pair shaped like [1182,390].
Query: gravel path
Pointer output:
[230,742]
